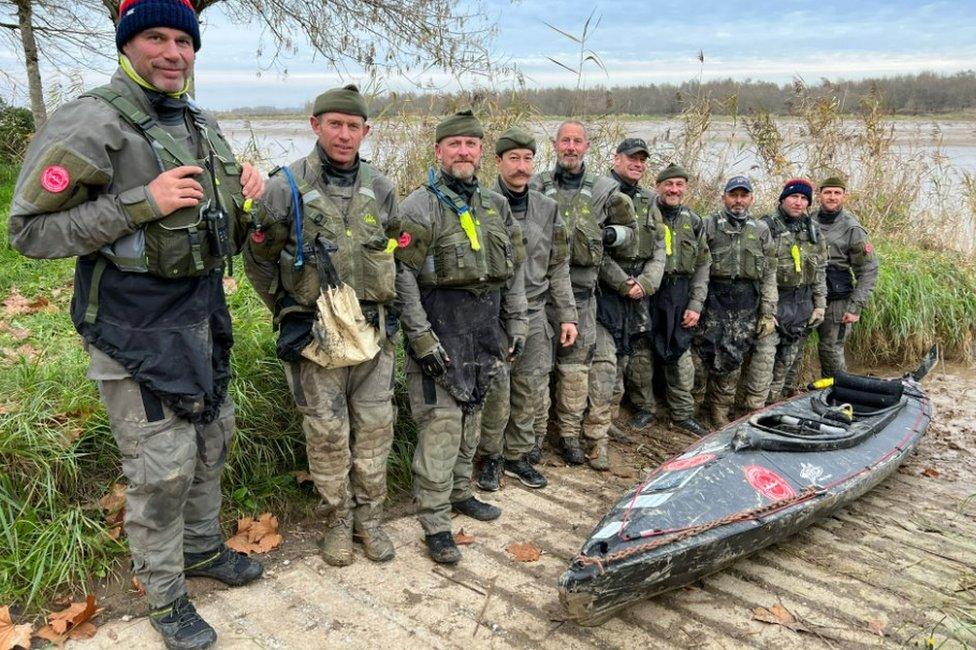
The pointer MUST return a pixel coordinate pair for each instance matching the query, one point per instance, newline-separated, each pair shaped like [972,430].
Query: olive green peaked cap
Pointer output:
[514,138]
[834,181]
[671,171]
[346,100]
[461,123]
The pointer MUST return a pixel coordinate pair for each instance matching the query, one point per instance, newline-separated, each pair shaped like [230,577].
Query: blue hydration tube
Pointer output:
[296,202]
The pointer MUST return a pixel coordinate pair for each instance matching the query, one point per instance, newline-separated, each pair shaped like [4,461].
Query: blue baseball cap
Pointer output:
[738,183]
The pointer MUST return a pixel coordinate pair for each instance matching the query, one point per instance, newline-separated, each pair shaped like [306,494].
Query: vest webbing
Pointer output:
[549,187]
[460,207]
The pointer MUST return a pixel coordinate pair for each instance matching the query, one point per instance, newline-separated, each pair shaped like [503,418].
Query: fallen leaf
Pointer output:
[302,476]
[71,623]
[256,535]
[113,504]
[15,304]
[876,627]
[523,552]
[778,615]
[230,285]
[931,472]
[17,333]
[27,351]
[462,538]
[4,409]
[137,587]
[12,636]
[623,471]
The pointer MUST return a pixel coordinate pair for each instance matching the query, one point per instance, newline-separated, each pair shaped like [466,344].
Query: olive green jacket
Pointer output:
[848,247]
[724,243]
[689,250]
[651,266]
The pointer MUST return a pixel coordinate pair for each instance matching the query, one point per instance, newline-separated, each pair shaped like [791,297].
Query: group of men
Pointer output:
[558,291]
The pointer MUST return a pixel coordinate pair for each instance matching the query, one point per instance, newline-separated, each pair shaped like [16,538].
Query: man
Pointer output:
[678,303]
[801,256]
[462,303]
[585,376]
[142,187]
[852,269]
[741,301]
[507,420]
[630,275]
[348,413]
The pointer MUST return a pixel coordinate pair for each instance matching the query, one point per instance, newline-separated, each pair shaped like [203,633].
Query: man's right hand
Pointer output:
[435,363]
[176,189]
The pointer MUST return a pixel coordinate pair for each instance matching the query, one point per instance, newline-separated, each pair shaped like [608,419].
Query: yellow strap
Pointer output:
[470,229]
[391,245]
[795,252]
[248,205]
[127,68]
[667,240]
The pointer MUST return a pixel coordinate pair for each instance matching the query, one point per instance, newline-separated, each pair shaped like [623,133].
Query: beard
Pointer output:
[463,171]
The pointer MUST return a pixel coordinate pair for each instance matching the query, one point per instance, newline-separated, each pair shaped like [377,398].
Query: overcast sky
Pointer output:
[639,42]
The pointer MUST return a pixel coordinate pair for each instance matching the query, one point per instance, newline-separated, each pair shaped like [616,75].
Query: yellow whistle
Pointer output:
[795,252]
[468,226]
[667,240]
[248,204]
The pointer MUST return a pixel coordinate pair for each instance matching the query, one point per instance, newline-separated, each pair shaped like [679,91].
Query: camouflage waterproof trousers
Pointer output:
[573,370]
[634,377]
[347,417]
[772,359]
[602,379]
[680,380]
[173,470]
[447,438]
[517,396]
[833,337]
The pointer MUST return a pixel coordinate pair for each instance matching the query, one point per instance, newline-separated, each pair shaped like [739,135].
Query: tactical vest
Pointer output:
[185,243]
[797,258]
[680,241]
[736,253]
[582,226]
[473,247]
[641,248]
[364,259]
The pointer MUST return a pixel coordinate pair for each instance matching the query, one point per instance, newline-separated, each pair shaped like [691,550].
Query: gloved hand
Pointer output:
[816,317]
[765,326]
[516,347]
[431,355]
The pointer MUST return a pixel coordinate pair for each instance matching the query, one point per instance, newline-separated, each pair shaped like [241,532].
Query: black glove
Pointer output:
[435,363]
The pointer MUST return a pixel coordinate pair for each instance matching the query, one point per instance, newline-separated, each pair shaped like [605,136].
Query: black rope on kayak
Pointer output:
[684,533]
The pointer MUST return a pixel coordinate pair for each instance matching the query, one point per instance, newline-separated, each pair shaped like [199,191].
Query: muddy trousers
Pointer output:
[758,374]
[634,375]
[446,441]
[173,469]
[508,418]
[680,380]
[833,337]
[720,391]
[771,361]
[602,379]
[575,376]
[347,417]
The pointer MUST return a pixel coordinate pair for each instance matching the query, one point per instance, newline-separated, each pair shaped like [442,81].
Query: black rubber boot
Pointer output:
[535,455]
[642,419]
[224,564]
[442,548]
[490,476]
[691,425]
[181,627]
[524,472]
[477,509]
[571,452]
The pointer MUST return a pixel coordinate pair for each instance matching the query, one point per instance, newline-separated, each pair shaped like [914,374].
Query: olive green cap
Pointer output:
[514,138]
[671,171]
[346,100]
[834,181]
[461,123]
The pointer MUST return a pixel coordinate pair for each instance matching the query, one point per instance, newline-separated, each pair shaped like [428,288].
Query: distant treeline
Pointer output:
[922,93]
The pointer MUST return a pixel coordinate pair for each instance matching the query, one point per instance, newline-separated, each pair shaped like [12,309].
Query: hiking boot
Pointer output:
[224,564]
[181,627]
[535,454]
[521,469]
[569,449]
[691,425]
[490,476]
[377,545]
[476,509]
[442,548]
[617,435]
[336,545]
[599,457]
[642,419]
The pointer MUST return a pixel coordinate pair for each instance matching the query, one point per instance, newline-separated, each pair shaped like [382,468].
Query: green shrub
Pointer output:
[17,127]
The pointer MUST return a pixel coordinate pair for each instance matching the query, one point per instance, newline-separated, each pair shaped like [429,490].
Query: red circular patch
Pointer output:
[55,178]
[257,236]
[404,239]
[687,463]
[868,248]
[768,483]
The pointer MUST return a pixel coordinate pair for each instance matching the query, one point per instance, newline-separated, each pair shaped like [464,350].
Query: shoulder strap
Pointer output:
[366,180]
[145,123]
[548,183]
[589,179]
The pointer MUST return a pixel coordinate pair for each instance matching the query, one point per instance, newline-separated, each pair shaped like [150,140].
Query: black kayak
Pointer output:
[748,485]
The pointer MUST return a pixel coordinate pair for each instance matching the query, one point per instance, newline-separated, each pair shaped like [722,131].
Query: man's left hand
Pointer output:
[252,182]
[690,319]
[849,318]
[635,292]
[518,346]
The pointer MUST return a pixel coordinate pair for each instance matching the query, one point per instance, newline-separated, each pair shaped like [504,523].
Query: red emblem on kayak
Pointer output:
[768,483]
[404,239]
[55,178]
[688,463]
